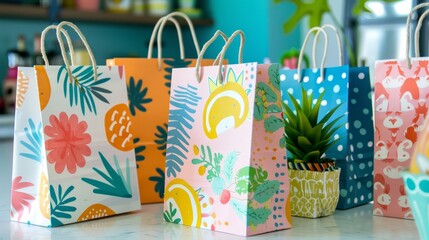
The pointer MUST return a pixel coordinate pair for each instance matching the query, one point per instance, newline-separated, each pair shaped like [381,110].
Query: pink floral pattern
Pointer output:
[69,141]
[20,200]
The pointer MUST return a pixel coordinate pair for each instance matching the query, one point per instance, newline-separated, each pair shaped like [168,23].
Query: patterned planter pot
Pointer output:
[314,194]
[417,188]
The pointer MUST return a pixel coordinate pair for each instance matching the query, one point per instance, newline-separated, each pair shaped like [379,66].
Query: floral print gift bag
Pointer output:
[73,157]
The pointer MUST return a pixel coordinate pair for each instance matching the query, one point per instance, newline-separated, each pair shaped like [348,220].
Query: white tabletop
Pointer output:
[147,224]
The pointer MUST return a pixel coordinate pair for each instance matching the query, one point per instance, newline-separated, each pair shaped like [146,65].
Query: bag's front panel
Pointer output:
[357,169]
[30,189]
[89,143]
[401,104]
[269,156]
[335,89]
[209,148]
[149,95]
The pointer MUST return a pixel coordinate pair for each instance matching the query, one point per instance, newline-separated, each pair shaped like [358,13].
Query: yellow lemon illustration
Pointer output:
[186,199]
[227,106]
[44,204]
[95,211]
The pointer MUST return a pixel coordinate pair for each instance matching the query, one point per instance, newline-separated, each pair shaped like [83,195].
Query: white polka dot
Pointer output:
[362,166]
[360,156]
[368,184]
[370,164]
[361,76]
[319,80]
[315,70]
[290,90]
[369,96]
[350,136]
[352,149]
[369,195]
[324,102]
[359,145]
[336,89]
[338,101]
[362,131]
[336,136]
[362,198]
[352,158]
[348,200]
[298,101]
[347,158]
[359,185]
[365,111]
[340,148]
[282,77]
[295,76]
[347,85]
[310,91]
[356,200]
[314,101]
[353,101]
[346,113]
[344,75]
[357,124]
[330,78]
[306,79]
[351,187]
[286,102]
[346,125]
[370,144]
[322,89]
[356,90]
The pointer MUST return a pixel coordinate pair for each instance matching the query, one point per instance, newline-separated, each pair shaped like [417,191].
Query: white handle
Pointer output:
[63,52]
[340,45]
[301,53]
[417,33]
[410,15]
[203,51]
[225,48]
[42,43]
[155,32]
[191,27]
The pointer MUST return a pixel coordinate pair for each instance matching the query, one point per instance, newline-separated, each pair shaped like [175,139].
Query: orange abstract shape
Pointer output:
[44,86]
[95,211]
[117,123]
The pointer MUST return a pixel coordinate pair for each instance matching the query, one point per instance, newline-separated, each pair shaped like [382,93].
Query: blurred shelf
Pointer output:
[41,13]
[6,125]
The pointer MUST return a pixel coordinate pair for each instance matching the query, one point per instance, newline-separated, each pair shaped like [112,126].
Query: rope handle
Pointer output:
[301,53]
[203,51]
[42,43]
[225,48]
[340,46]
[63,52]
[417,33]
[161,28]
[155,31]
[416,47]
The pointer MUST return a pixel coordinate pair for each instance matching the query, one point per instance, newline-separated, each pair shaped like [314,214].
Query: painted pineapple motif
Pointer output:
[227,106]
[118,127]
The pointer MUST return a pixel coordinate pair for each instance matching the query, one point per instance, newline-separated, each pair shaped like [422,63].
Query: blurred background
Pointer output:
[275,29]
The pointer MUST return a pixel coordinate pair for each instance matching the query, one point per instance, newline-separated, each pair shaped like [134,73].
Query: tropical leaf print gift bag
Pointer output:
[225,168]
[73,157]
[148,83]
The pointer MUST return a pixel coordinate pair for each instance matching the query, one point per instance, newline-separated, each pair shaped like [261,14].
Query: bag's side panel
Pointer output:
[401,104]
[30,185]
[357,169]
[88,141]
[269,207]
[148,90]
[209,148]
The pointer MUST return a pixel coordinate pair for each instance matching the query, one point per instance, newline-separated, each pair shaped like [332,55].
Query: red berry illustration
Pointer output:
[226,195]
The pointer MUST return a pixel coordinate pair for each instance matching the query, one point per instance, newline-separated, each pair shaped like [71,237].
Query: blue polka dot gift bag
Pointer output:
[342,96]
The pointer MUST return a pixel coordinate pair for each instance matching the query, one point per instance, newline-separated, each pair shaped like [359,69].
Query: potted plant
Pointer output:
[314,178]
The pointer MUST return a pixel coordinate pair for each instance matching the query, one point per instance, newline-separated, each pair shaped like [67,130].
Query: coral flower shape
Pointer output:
[68,143]
[20,200]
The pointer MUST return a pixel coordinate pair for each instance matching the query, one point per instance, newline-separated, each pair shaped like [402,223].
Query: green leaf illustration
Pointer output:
[60,207]
[266,190]
[159,182]
[273,74]
[173,63]
[161,137]
[210,161]
[34,141]
[272,124]
[228,166]
[83,89]
[268,95]
[249,178]
[138,150]
[170,214]
[239,207]
[137,96]
[259,109]
[274,108]
[257,216]
[115,183]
